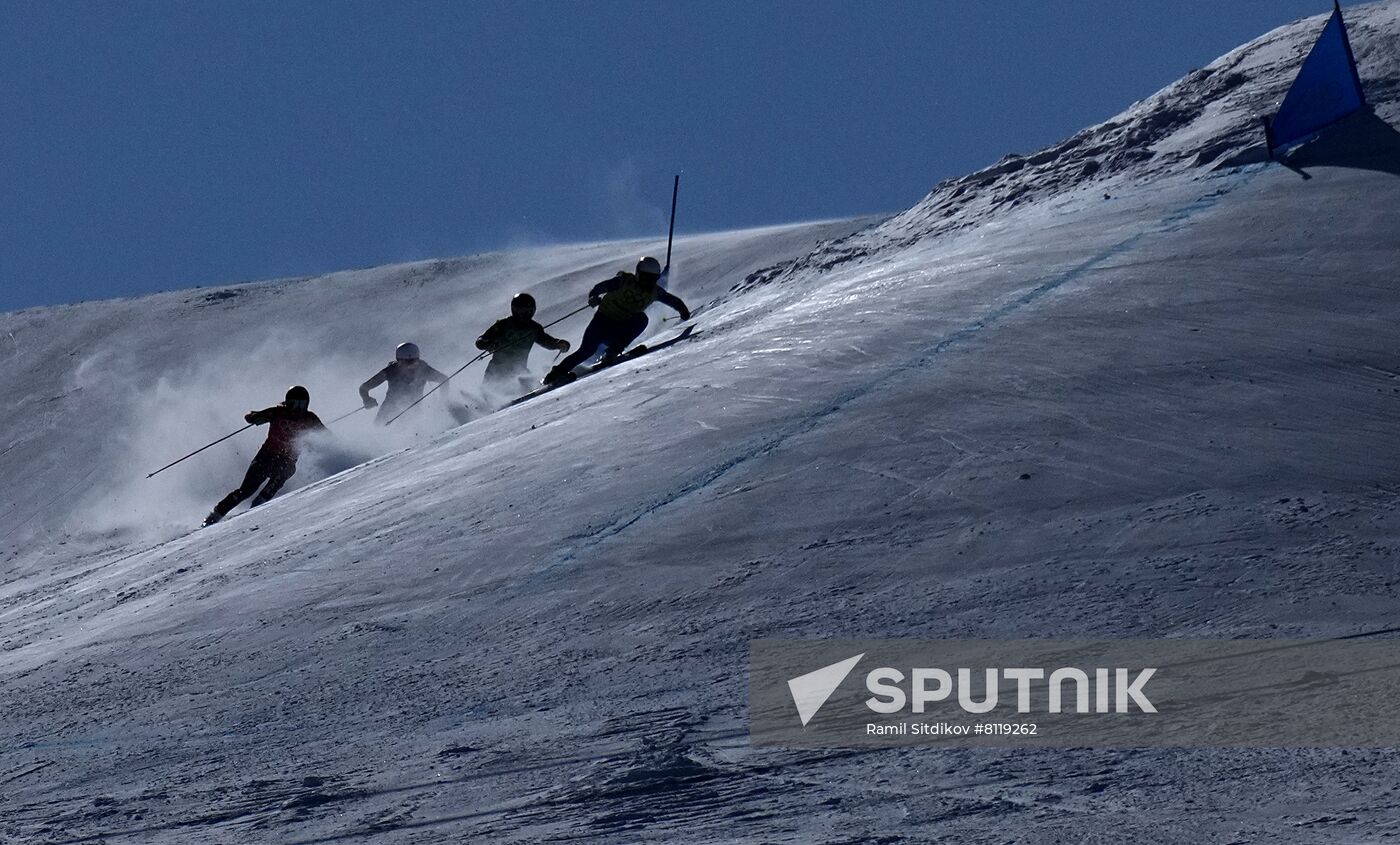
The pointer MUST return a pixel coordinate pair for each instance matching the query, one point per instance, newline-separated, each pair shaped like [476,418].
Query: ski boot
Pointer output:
[556,377]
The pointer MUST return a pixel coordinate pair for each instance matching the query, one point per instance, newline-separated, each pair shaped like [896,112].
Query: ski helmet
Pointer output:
[648,266]
[298,397]
[522,305]
[406,352]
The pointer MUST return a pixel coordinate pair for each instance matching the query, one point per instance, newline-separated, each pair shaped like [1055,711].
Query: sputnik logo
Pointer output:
[810,691]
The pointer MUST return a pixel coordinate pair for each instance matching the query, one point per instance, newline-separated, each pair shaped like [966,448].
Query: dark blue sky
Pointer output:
[159,145]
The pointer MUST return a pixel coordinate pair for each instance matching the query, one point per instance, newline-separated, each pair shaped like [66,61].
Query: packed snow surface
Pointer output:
[1128,386]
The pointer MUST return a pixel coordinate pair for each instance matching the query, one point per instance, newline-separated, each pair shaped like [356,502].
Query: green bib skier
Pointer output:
[622,303]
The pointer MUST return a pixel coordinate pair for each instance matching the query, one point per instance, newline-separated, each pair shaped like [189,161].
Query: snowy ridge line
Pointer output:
[38,767]
[547,801]
[240,816]
[1173,222]
[251,817]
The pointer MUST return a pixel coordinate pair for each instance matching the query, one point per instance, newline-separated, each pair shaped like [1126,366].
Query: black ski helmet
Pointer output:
[649,266]
[298,397]
[522,305]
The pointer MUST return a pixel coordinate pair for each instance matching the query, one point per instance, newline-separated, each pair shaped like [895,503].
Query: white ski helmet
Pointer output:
[648,266]
[406,352]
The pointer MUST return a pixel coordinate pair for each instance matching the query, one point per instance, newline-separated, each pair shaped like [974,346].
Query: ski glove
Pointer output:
[371,402]
[563,346]
[594,301]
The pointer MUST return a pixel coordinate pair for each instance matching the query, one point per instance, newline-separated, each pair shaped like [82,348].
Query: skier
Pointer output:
[406,377]
[509,340]
[276,461]
[622,304]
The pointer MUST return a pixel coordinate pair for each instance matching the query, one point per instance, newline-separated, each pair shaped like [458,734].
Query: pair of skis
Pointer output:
[631,354]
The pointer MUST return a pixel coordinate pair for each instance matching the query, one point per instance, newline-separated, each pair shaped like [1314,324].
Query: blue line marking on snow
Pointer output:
[760,446]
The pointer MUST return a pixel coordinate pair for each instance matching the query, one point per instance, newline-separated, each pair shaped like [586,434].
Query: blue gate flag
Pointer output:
[1327,89]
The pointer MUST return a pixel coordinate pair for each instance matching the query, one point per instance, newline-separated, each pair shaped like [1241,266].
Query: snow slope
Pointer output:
[1150,398]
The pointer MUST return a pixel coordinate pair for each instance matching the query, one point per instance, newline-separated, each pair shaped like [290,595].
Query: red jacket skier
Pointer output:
[276,461]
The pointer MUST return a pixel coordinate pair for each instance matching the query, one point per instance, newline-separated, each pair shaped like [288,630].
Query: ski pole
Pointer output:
[351,414]
[390,421]
[675,191]
[201,449]
[567,316]
[693,315]
[562,319]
